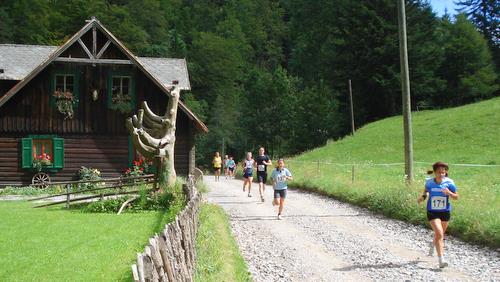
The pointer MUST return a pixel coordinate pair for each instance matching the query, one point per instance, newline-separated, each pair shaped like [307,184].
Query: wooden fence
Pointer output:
[170,255]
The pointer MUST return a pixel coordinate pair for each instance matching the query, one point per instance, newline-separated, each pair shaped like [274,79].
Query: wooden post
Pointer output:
[352,108]
[68,196]
[405,86]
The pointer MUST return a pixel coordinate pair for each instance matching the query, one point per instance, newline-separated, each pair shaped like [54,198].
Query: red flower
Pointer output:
[128,170]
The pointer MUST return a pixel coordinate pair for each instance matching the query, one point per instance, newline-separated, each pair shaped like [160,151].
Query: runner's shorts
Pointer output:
[247,173]
[280,193]
[231,168]
[262,176]
[444,216]
[216,168]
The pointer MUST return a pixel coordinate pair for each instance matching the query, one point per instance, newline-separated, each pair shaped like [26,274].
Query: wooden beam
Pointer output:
[103,49]
[94,41]
[94,61]
[85,48]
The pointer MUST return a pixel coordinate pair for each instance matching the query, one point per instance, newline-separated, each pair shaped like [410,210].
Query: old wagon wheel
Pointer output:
[42,180]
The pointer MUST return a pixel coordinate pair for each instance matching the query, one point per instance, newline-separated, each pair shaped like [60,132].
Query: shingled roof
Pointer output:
[17,61]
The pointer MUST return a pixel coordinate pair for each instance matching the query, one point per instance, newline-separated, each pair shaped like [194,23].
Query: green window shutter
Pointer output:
[26,152]
[58,158]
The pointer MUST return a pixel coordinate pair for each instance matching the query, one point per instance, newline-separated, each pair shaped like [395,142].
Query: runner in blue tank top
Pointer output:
[439,190]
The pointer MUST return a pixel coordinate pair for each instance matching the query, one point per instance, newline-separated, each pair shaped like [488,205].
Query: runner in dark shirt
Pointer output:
[262,161]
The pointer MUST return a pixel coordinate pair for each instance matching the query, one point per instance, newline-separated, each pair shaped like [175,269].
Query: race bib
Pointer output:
[261,167]
[281,178]
[438,203]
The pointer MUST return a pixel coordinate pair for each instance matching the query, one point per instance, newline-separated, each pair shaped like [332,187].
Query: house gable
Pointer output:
[95,45]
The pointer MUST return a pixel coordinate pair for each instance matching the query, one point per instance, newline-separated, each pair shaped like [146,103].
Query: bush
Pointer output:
[87,173]
[30,190]
[147,201]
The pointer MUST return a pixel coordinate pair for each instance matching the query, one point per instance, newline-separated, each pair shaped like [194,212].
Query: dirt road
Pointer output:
[321,239]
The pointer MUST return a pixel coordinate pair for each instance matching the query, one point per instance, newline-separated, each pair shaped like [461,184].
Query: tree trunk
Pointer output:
[154,137]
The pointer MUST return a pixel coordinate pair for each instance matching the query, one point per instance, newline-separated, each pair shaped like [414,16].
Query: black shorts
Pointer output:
[216,168]
[280,194]
[247,174]
[231,168]
[444,216]
[262,176]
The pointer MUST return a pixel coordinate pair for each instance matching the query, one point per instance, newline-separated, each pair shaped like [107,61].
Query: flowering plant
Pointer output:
[40,161]
[87,173]
[65,101]
[140,168]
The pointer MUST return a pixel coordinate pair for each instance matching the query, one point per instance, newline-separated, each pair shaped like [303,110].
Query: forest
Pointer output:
[275,73]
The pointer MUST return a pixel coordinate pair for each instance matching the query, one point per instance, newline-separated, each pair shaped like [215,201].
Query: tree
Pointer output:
[485,14]
[467,67]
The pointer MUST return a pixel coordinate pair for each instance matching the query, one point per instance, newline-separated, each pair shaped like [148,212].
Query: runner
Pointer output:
[439,189]
[248,165]
[231,165]
[280,176]
[262,161]
[217,163]
[226,170]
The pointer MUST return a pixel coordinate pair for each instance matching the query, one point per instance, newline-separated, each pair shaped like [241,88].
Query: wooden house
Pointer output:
[71,101]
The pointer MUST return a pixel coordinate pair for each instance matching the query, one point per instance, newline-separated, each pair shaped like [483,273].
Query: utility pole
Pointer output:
[222,151]
[405,87]
[352,108]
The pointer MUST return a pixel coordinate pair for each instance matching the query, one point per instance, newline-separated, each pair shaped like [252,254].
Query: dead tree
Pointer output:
[154,137]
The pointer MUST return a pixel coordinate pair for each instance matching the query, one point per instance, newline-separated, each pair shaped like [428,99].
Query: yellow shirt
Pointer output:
[217,162]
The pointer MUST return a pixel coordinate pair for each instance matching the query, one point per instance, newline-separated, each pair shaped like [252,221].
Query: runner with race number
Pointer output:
[262,161]
[439,189]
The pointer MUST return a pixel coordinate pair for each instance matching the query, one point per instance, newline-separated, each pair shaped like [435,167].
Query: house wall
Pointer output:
[95,137]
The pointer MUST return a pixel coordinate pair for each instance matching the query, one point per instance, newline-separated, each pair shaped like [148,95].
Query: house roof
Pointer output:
[17,61]
[148,66]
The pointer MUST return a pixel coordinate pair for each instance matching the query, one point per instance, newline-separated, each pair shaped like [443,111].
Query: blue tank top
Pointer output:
[438,201]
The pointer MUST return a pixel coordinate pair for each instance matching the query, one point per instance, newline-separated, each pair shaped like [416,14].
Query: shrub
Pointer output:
[87,173]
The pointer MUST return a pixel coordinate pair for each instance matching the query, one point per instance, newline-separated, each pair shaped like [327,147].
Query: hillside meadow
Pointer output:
[467,137]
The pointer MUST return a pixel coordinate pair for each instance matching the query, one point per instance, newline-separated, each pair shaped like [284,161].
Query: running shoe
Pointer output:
[431,249]
[280,218]
[249,195]
[262,198]
[443,264]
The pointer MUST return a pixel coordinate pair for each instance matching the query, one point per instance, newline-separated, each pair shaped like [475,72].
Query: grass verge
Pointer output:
[218,256]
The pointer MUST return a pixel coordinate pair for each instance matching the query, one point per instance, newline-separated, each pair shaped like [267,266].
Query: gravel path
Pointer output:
[321,239]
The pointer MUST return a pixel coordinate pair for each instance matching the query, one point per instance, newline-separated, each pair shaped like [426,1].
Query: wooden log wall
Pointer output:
[108,154]
[171,255]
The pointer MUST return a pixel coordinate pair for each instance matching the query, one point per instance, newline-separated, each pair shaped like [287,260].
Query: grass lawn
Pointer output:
[54,244]
[218,256]
[463,135]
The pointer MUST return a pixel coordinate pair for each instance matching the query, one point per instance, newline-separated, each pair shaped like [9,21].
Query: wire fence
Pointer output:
[314,171]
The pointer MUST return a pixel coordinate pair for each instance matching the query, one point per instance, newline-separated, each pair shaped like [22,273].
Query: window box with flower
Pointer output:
[65,102]
[41,162]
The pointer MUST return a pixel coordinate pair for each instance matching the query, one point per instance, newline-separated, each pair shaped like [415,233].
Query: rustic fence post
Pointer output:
[68,196]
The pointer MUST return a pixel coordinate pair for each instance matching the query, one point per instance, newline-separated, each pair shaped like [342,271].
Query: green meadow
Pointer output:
[459,136]
[55,244]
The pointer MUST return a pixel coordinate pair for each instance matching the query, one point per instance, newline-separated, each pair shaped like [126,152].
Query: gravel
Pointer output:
[322,239]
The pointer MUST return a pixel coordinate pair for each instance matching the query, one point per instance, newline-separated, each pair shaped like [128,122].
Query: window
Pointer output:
[65,82]
[121,92]
[46,147]
[120,89]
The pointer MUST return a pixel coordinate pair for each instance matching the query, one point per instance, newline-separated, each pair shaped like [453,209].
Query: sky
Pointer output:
[439,5]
